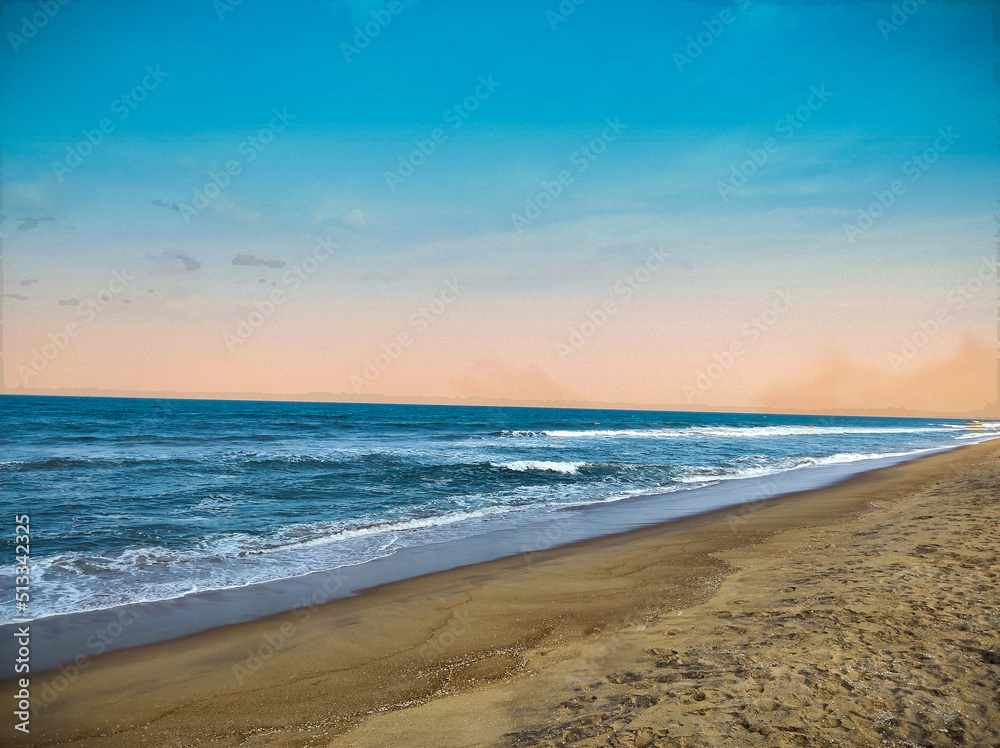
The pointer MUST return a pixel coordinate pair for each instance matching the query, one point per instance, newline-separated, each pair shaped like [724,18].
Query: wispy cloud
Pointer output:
[173,262]
[248,260]
[354,219]
[26,224]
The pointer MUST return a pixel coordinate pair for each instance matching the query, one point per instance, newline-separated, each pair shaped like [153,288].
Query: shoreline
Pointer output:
[103,630]
[468,632]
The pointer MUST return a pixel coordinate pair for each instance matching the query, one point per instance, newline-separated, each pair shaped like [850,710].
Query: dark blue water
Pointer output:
[137,500]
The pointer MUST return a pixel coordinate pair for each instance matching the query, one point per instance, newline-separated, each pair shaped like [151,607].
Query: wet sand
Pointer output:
[860,614]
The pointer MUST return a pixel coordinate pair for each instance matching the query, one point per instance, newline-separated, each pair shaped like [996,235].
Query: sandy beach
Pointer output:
[400,373]
[860,614]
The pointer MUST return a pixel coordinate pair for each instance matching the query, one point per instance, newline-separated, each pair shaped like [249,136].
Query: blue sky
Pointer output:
[556,88]
[655,183]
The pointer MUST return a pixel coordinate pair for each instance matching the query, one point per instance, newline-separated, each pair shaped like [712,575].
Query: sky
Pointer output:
[746,205]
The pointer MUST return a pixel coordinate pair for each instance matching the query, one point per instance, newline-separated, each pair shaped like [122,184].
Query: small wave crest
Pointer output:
[738,431]
[758,466]
[523,466]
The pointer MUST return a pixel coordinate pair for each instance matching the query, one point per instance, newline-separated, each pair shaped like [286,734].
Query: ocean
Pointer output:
[137,500]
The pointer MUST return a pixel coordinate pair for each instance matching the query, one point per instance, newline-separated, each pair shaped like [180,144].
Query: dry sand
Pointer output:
[861,614]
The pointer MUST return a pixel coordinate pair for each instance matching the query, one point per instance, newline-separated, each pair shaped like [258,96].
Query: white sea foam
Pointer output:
[980,430]
[234,560]
[742,432]
[784,465]
[523,466]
